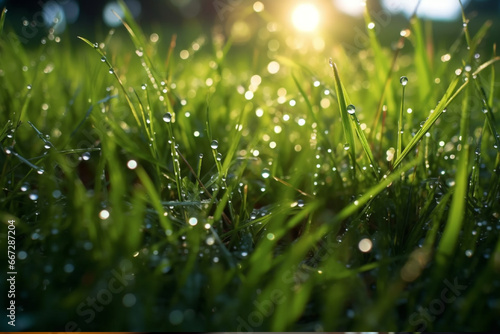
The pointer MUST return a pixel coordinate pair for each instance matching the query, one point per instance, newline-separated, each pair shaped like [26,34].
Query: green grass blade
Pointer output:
[310,109]
[383,66]
[445,101]
[488,110]
[139,41]
[492,78]
[2,20]
[422,65]
[6,128]
[155,198]
[458,203]
[24,108]
[129,101]
[27,162]
[89,111]
[40,135]
[437,215]
[346,122]
[300,66]
[479,36]
[448,97]
[236,135]
[399,149]
[131,25]
[133,240]
[374,191]
[306,242]
[366,147]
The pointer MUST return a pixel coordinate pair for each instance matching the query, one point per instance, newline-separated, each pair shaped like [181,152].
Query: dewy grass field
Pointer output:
[214,189]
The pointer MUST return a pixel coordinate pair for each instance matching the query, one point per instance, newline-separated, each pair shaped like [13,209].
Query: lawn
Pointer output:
[162,182]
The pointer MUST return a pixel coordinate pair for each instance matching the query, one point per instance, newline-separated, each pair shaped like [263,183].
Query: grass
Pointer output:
[203,193]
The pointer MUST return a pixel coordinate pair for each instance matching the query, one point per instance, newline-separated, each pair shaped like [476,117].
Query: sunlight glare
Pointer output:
[443,10]
[351,7]
[305,17]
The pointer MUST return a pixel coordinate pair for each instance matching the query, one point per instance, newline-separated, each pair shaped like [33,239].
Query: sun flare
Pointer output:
[305,17]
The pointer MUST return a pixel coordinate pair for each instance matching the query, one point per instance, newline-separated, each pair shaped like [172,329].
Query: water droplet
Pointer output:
[103,59]
[300,203]
[46,146]
[33,196]
[144,86]
[266,173]
[25,187]
[351,109]
[468,253]
[347,147]
[210,241]
[403,80]
[111,71]
[104,214]
[193,221]
[132,164]
[29,87]
[96,45]
[40,171]
[219,156]
[167,118]
[86,156]
[485,110]
[331,62]
[214,145]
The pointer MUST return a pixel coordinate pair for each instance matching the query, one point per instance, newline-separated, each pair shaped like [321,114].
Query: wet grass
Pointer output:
[199,189]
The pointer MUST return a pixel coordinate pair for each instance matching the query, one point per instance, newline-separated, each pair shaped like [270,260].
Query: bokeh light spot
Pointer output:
[111,19]
[365,245]
[258,6]
[54,16]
